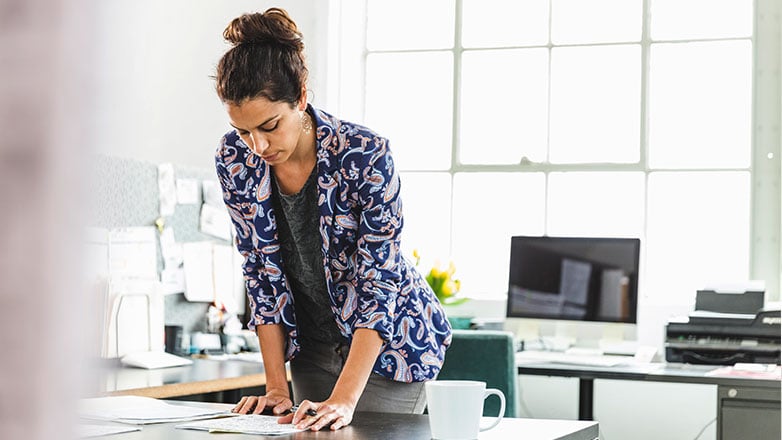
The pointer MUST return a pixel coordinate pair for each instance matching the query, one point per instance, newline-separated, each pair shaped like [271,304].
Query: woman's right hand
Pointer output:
[278,401]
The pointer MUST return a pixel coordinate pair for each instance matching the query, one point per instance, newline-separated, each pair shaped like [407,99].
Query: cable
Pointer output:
[704,429]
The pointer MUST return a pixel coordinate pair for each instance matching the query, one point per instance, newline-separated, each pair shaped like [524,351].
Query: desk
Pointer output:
[390,427]
[203,376]
[759,394]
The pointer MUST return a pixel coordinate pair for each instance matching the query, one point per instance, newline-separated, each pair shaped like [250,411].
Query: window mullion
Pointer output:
[455,125]
[765,229]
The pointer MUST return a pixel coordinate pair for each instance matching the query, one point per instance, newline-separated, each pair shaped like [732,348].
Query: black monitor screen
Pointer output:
[574,278]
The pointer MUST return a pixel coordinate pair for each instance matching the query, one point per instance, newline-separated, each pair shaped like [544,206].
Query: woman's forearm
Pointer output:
[272,340]
[364,350]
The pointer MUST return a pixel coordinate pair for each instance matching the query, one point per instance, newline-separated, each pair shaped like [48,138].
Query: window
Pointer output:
[576,117]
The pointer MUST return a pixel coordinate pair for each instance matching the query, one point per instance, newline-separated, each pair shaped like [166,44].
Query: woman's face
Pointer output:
[272,130]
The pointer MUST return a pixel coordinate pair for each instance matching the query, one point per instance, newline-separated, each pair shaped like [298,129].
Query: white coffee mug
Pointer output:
[455,408]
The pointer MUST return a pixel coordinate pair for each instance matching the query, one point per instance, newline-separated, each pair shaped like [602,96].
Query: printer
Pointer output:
[724,329]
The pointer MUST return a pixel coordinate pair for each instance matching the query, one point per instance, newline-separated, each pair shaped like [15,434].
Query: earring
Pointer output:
[306,123]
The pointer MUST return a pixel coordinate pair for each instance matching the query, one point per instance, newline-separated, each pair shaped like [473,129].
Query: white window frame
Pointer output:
[348,27]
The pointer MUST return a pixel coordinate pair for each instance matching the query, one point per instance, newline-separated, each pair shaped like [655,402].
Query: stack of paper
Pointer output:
[142,410]
[88,430]
[755,371]
[246,424]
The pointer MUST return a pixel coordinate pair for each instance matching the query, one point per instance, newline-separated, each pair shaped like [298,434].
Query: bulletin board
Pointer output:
[124,193]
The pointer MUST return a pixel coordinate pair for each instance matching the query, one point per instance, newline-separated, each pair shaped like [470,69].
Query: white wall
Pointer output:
[153,96]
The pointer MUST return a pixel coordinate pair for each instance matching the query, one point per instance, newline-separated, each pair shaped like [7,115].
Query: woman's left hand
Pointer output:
[331,412]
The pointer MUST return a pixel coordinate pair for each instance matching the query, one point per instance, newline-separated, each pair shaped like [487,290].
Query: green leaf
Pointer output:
[454,301]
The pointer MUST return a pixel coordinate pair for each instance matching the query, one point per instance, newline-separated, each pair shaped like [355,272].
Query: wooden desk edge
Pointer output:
[190,388]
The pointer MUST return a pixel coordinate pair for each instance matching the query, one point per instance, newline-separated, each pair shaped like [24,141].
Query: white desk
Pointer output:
[743,403]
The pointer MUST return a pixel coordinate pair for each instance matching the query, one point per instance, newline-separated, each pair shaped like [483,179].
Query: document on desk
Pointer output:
[86,430]
[523,357]
[753,371]
[137,410]
[245,424]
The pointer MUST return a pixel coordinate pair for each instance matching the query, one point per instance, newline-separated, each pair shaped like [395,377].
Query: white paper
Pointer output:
[738,287]
[247,424]
[166,188]
[85,430]
[215,222]
[199,280]
[172,281]
[240,292]
[225,277]
[141,410]
[212,273]
[213,193]
[171,250]
[96,253]
[133,252]
[187,191]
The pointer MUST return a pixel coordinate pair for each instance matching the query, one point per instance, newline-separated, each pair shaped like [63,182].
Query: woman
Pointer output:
[315,202]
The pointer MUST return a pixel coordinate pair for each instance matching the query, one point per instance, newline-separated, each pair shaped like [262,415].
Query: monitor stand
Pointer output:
[541,334]
[614,340]
[606,337]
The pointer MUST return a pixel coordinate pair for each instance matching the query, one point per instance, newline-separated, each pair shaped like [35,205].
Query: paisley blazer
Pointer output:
[370,283]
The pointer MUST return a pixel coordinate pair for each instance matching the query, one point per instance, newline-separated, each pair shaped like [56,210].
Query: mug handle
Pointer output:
[499,394]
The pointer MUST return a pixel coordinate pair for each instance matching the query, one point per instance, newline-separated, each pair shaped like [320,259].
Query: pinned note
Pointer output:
[133,252]
[166,189]
[187,191]
[215,222]
[199,279]
[213,194]
[213,273]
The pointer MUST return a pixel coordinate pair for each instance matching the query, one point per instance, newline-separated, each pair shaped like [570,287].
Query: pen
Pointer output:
[310,412]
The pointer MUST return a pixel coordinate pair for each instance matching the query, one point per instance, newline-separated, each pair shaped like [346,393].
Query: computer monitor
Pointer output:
[574,278]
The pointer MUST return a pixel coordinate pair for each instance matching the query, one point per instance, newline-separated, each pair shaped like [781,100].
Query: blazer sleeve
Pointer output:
[380,225]
[262,301]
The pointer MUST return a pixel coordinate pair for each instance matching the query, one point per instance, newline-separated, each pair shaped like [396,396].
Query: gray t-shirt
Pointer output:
[302,260]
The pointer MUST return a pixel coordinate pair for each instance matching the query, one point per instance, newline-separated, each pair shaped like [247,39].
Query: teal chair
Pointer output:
[487,356]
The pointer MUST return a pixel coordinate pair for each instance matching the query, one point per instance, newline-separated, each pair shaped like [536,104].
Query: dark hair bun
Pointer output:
[274,26]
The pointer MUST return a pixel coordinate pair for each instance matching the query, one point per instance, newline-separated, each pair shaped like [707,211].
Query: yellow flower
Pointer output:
[449,288]
[442,281]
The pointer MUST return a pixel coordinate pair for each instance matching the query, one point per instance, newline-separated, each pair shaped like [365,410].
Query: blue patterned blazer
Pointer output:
[370,283]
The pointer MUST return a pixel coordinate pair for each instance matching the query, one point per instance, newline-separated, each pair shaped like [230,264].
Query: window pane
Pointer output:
[595,21]
[698,232]
[409,24]
[489,208]
[678,19]
[700,104]
[398,86]
[498,23]
[426,205]
[596,204]
[595,104]
[491,110]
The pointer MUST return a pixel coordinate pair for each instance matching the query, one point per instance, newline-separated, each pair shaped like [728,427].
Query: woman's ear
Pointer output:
[303,99]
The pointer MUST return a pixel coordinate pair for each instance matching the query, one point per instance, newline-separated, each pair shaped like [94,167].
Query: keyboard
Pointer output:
[154,359]
[572,359]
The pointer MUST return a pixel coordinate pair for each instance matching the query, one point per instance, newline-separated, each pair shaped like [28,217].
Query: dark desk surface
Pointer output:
[203,376]
[389,427]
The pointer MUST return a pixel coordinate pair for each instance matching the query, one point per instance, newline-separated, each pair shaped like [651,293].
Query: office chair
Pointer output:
[487,356]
